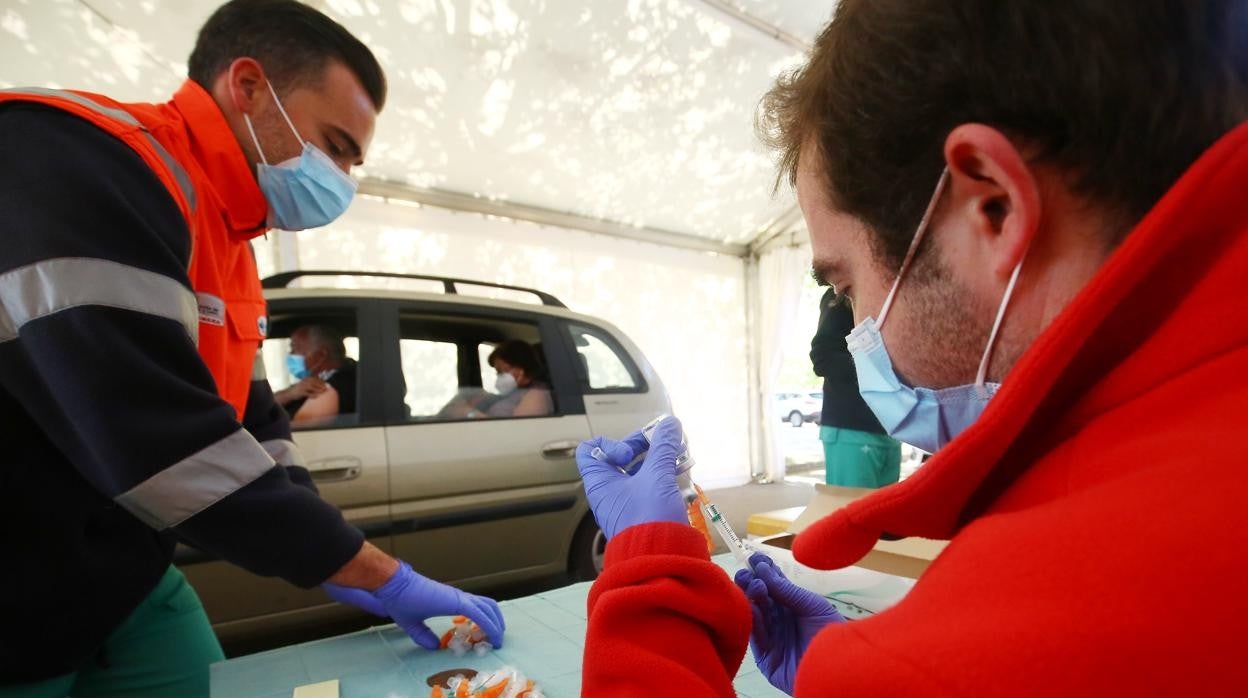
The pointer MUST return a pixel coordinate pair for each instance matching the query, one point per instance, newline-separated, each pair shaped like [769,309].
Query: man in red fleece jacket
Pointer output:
[1087,250]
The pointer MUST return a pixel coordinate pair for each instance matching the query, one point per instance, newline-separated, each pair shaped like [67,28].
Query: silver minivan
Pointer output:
[478,503]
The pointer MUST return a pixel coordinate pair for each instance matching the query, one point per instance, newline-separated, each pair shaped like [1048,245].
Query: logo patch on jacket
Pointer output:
[262,323]
[211,309]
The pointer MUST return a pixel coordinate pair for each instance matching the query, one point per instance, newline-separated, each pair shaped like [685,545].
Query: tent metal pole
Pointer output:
[754,384]
[731,10]
[790,221]
[456,201]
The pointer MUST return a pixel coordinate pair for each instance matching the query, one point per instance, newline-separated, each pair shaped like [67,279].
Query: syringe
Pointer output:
[693,508]
[697,501]
[730,537]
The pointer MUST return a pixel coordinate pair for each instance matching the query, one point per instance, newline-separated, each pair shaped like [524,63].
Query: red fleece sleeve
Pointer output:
[663,619]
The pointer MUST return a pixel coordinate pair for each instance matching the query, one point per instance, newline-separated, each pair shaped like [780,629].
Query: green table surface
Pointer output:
[545,639]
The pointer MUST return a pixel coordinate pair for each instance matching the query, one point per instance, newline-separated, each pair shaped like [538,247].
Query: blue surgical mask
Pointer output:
[925,418]
[297,366]
[306,191]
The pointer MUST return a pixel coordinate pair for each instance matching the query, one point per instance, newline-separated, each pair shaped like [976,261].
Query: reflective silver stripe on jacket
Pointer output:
[284,451]
[187,487]
[258,373]
[43,288]
[183,179]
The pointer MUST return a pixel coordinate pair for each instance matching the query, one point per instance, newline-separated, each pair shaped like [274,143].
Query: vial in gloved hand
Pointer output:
[684,481]
[684,461]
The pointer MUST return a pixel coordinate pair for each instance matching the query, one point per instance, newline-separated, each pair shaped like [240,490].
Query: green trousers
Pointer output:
[859,459]
[162,650]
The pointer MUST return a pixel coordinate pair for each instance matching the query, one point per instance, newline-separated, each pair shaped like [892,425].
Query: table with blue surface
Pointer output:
[545,639]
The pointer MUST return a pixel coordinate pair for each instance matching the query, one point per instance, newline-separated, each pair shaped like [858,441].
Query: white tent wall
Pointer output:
[684,308]
[781,271]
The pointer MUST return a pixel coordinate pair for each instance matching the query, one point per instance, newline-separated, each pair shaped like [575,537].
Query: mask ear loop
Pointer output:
[914,245]
[282,109]
[982,375]
[252,131]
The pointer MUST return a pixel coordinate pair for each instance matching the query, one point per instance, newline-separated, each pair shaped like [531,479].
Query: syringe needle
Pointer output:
[730,537]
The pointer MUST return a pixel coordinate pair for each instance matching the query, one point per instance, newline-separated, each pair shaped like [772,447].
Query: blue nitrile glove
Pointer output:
[350,596]
[786,618]
[410,598]
[649,494]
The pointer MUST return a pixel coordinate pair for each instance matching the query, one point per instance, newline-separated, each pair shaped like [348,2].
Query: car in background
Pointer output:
[797,407]
[475,502]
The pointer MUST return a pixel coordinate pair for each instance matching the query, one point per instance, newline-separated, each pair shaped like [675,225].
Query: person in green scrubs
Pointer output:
[856,449]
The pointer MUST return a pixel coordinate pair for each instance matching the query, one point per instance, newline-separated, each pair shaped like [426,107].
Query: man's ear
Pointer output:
[246,84]
[994,192]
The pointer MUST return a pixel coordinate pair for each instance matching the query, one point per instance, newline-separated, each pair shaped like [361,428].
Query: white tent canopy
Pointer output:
[604,151]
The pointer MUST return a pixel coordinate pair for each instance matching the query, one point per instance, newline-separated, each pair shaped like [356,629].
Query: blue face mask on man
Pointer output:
[925,418]
[306,191]
[297,366]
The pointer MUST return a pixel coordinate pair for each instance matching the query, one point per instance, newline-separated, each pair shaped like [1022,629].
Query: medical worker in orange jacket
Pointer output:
[130,319]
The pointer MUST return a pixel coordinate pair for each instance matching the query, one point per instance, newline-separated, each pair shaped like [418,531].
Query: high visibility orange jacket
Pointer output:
[190,147]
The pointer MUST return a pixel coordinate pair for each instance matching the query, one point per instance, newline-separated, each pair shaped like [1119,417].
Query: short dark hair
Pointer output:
[522,355]
[327,338]
[292,41]
[1122,96]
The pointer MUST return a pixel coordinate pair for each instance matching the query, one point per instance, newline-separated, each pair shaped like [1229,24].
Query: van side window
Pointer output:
[473,368]
[603,366]
[311,359]
[429,372]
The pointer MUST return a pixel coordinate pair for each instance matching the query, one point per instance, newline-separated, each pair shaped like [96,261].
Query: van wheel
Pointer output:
[589,548]
[796,419]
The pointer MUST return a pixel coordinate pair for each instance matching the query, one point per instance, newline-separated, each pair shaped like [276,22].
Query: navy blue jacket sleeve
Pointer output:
[269,423]
[92,272]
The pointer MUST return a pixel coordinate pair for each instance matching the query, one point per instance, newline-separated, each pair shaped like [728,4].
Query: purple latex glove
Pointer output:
[648,494]
[786,618]
[410,599]
[350,596]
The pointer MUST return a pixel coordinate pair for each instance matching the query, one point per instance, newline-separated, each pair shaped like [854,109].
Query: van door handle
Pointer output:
[338,469]
[558,450]
[336,474]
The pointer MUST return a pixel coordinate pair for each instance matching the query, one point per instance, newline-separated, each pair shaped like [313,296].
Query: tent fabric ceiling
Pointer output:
[633,111]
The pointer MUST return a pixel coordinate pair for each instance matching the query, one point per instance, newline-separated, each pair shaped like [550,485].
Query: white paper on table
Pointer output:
[324,689]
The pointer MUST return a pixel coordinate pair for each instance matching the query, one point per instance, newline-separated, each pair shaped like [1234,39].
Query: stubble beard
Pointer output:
[941,329]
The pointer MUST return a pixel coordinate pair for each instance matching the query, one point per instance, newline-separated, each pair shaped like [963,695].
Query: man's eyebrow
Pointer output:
[352,146]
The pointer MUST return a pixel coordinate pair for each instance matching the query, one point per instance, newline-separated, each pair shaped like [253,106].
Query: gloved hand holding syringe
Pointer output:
[645,480]
[696,503]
